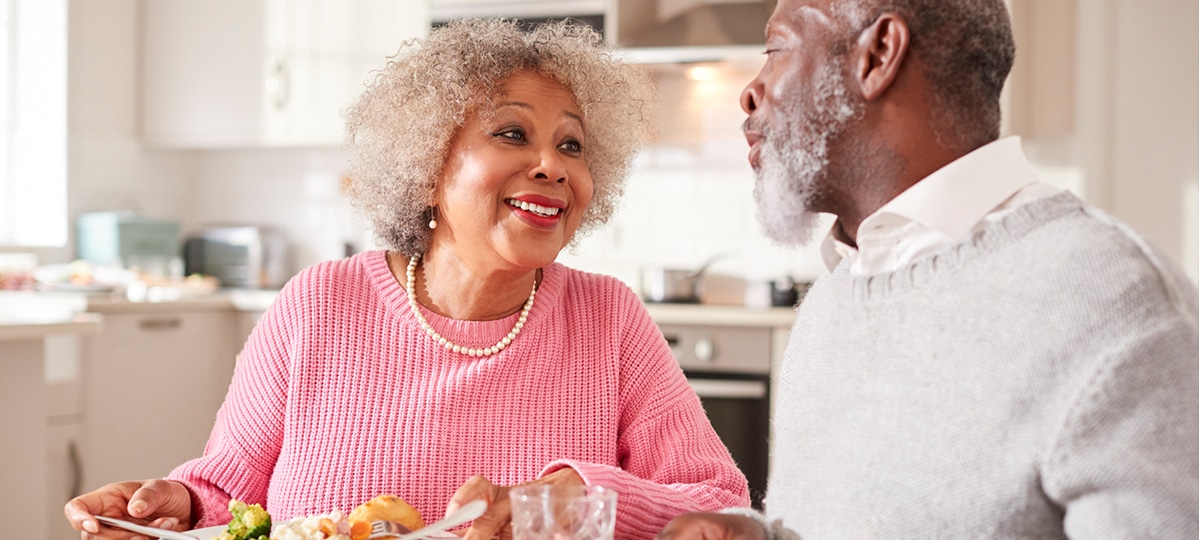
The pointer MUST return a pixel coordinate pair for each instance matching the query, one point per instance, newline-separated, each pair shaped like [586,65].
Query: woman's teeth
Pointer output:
[534,208]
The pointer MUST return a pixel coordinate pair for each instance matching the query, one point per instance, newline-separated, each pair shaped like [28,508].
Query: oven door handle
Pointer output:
[722,388]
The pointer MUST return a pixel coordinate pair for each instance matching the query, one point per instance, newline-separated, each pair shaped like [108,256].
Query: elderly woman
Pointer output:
[463,360]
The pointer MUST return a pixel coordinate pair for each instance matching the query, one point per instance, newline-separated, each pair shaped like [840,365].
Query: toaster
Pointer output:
[241,257]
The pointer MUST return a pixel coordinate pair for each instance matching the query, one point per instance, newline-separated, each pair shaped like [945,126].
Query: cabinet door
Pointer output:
[205,69]
[238,73]
[152,387]
[64,480]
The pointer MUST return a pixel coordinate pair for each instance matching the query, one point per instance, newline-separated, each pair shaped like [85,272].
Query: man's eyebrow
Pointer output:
[813,12]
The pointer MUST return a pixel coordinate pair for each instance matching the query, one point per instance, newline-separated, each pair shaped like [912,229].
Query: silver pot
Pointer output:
[667,285]
[674,285]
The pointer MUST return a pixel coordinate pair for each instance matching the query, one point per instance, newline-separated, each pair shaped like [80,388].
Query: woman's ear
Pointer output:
[880,52]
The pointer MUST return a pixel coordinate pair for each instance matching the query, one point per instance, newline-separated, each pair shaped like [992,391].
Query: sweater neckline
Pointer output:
[467,333]
[925,269]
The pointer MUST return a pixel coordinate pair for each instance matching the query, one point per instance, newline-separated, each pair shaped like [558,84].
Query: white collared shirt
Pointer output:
[957,200]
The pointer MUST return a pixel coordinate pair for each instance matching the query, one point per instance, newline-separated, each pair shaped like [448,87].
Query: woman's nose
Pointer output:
[549,166]
[750,97]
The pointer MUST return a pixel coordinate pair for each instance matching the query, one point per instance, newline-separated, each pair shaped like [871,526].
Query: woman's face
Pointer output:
[516,183]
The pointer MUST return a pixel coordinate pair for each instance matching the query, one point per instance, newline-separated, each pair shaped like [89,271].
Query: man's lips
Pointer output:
[754,139]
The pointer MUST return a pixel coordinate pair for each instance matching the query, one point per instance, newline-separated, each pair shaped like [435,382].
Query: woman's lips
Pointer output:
[540,212]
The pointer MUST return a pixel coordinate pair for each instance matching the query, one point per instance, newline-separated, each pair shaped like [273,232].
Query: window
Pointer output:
[33,122]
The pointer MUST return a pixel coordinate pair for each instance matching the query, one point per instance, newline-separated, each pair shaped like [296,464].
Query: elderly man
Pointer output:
[989,357]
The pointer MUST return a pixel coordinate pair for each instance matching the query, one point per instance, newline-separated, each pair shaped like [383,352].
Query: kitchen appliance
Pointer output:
[243,257]
[670,285]
[729,369]
[675,285]
[119,238]
[529,12]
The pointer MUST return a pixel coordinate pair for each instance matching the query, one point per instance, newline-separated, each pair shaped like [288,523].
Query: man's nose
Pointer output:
[750,97]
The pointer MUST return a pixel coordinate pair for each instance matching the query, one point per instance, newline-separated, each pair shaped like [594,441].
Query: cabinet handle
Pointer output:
[280,85]
[160,324]
[76,469]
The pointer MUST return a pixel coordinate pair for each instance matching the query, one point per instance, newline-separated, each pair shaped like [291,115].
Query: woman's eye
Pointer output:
[572,146]
[514,134]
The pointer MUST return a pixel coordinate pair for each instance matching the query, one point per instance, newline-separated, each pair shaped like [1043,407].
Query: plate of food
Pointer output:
[207,533]
[251,522]
[81,276]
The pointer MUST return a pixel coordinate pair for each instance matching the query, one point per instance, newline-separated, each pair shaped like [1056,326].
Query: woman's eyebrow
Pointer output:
[523,105]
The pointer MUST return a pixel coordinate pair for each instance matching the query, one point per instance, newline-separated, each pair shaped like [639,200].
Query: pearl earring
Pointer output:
[433,220]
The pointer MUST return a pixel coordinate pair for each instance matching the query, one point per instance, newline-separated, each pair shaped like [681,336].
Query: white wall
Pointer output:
[1155,123]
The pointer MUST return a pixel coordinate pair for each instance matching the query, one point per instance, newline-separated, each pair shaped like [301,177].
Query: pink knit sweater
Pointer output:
[339,396]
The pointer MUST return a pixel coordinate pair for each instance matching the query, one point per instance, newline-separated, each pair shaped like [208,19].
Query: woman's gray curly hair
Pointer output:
[398,133]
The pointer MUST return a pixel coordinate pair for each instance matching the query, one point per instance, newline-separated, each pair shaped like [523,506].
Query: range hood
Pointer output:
[648,31]
[444,10]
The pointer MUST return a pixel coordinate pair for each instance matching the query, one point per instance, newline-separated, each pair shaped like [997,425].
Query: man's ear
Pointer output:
[880,52]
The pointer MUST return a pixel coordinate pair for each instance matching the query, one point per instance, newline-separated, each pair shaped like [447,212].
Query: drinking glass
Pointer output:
[550,512]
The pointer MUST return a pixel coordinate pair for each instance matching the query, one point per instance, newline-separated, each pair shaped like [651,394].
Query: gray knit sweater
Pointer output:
[1038,380]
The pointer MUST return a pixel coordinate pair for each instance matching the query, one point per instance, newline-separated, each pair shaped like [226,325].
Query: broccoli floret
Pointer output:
[250,522]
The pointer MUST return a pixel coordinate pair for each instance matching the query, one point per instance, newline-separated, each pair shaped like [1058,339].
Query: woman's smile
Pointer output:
[536,210]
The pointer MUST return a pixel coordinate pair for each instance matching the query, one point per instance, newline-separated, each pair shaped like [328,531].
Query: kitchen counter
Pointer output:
[19,330]
[717,315]
[245,300]
[33,316]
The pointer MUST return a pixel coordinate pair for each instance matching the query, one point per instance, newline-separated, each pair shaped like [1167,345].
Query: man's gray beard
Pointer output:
[793,164]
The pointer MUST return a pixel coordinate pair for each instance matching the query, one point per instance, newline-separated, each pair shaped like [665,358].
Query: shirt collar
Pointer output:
[951,200]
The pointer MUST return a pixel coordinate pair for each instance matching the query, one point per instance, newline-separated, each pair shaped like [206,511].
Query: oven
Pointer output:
[729,369]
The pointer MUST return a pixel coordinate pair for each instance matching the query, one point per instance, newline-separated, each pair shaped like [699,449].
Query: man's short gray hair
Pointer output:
[967,49]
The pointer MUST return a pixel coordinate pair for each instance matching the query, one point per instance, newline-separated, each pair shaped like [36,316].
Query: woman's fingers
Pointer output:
[496,523]
[159,503]
[110,500]
[158,499]
[494,519]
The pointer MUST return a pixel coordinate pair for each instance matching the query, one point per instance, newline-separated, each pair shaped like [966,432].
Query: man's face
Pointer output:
[798,106]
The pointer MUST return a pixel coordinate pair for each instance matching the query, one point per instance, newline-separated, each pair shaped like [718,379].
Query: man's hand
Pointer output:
[710,526]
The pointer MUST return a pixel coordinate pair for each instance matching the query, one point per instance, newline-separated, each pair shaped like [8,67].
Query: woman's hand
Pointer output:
[497,521]
[157,503]
[711,526]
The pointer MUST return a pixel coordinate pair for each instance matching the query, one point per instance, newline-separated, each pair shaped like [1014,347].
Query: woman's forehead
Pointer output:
[528,89]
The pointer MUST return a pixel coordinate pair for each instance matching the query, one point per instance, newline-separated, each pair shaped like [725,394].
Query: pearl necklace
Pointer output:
[470,351]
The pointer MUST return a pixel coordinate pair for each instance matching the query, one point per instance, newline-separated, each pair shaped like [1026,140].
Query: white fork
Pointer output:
[391,529]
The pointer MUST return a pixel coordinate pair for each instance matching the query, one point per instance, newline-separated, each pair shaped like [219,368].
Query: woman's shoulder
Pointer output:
[338,276]
[591,295]
[574,282]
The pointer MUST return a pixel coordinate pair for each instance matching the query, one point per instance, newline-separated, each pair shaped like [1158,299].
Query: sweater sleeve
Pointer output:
[1126,461]
[671,460]
[246,438]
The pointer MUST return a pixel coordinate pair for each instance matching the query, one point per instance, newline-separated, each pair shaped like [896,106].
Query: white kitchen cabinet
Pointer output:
[246,73]
[153,382]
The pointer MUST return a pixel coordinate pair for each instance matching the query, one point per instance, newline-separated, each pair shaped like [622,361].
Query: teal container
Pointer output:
[113,238]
